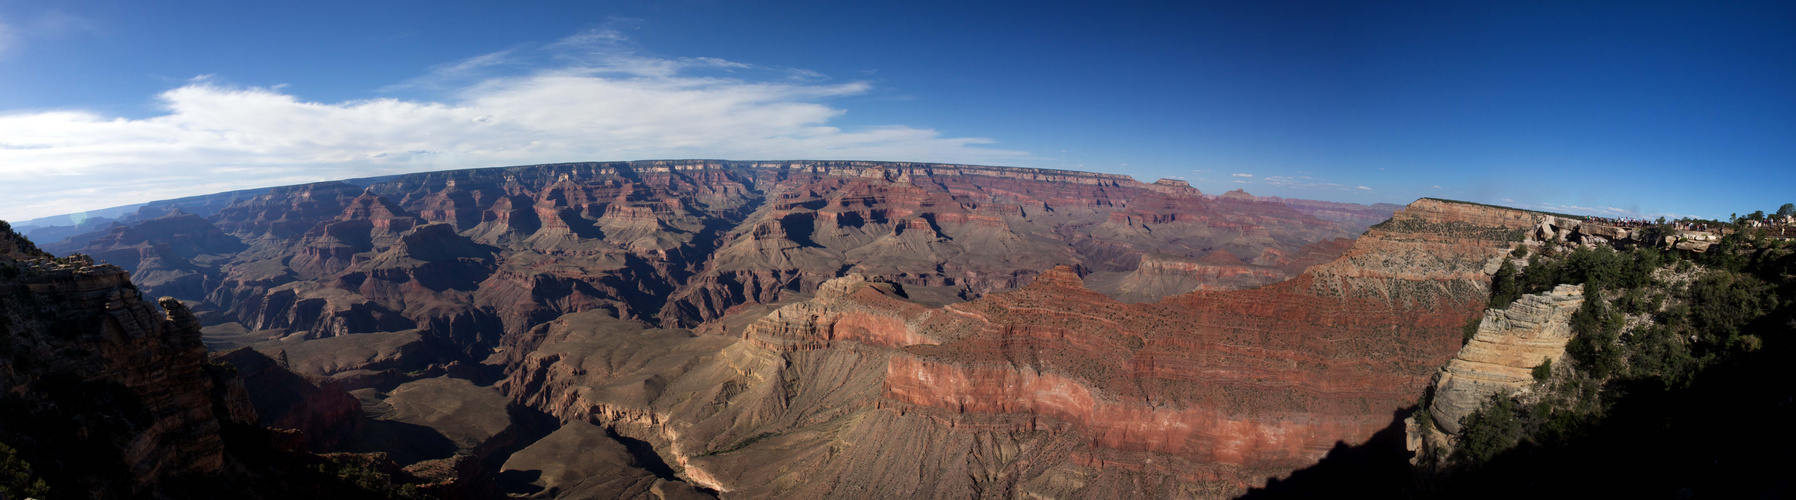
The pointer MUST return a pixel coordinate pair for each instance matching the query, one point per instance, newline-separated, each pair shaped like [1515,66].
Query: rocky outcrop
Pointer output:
[1596,232]
[1432,252]
[15,248]
[1500,358]
[105,389]
[1174,187]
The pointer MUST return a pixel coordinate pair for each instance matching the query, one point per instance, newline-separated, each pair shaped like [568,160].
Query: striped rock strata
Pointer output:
[1501,357]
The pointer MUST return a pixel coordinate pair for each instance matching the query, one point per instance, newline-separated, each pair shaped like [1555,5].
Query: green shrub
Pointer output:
[1595,329]
[16,478]
[1544,371]
[1723,302]
[1503,286]
[1630,301]
[1487,432]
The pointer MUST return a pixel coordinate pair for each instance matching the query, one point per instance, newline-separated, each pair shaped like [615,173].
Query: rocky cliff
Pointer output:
[106,395]
[105,390]
[1501,357]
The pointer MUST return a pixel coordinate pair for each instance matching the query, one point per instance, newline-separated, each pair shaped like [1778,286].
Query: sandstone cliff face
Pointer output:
[1048,390]
[99,385]
[1501,356]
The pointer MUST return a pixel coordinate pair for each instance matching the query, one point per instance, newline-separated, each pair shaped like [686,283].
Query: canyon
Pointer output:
[810,329]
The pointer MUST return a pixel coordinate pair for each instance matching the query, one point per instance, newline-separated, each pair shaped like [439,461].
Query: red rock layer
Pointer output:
[1239,385]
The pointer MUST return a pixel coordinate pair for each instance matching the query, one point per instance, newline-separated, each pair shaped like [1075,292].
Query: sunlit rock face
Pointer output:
[1501,357]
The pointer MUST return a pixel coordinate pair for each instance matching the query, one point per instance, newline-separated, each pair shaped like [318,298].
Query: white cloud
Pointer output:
[1243,175]
[1437,187]
[1363,187]
[612,105]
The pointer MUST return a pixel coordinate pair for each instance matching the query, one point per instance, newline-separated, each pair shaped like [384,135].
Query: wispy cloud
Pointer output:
[723,63]
[1363,188]
[443,75]
[593,38]
[7,38]
[603,105]
[48,24]
[1243,175]
[1305,182]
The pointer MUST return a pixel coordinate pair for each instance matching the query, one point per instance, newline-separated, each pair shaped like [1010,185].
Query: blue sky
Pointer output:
[1642,108]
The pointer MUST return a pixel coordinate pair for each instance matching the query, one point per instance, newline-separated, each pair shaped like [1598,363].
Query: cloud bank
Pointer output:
[599,100]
